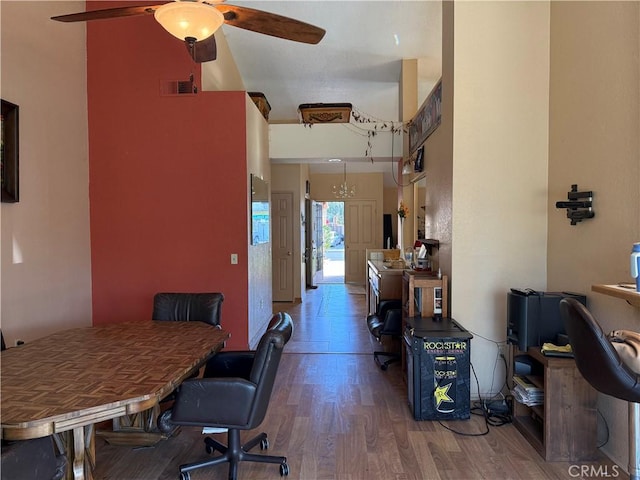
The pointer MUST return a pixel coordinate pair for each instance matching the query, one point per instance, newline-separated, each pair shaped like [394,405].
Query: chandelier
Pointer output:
[344,190]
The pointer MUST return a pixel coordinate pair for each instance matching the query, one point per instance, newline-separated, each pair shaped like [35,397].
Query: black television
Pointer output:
[533,318]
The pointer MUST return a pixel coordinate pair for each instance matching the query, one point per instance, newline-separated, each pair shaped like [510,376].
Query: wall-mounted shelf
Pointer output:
[622,291]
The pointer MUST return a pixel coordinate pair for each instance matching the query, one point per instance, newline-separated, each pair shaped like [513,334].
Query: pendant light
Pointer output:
[344,190]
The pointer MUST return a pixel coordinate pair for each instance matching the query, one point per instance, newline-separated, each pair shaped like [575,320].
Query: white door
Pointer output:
[282,253]
[360,233]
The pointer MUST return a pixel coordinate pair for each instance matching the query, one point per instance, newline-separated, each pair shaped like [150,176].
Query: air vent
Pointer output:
[178,87]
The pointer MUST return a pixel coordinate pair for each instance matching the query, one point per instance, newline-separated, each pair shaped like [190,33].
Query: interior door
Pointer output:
[360,233]
[311,251]
[282,253]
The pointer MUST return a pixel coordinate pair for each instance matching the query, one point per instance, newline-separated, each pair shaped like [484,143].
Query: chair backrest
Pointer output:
[266,362]
[188,307]
[595,357]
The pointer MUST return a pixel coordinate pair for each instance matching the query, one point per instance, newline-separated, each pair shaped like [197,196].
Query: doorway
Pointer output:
[331,250]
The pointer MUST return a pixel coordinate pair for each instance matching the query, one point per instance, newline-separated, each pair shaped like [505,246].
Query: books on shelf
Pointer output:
[527,392]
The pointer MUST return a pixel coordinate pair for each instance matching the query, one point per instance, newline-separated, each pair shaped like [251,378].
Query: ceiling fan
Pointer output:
[196,21]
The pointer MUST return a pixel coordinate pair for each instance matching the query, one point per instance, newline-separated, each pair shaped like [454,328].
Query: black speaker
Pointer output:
[387,230]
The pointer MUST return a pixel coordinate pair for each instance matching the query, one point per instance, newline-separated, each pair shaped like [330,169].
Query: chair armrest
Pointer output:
[230,364]
[214,402]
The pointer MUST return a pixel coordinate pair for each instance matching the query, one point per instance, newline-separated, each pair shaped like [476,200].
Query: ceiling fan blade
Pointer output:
[107,13]
[270,24]
[204,50]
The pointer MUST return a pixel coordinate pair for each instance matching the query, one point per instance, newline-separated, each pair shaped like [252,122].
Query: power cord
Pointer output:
[496,417]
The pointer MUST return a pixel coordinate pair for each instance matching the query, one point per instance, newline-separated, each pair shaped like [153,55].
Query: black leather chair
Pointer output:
[600,365]
[184,307]
[236,399]
[387,321]
[32,459]
[188,307]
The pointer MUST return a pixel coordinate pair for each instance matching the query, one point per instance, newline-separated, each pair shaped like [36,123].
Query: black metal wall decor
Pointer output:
[578,205]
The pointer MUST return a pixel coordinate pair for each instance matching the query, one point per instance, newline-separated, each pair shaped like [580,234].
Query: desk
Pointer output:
[383,283]
[626,292]
[68,381]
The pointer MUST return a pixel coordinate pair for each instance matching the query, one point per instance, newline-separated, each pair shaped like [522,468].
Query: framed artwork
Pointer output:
[427,119]
[9,152]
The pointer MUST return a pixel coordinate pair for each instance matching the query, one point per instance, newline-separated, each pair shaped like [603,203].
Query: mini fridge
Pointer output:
[438,352]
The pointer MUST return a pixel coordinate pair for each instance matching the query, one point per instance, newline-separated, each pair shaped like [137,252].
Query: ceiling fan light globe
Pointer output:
[189,19]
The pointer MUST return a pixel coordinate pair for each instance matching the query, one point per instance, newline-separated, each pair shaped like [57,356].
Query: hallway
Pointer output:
[331,320]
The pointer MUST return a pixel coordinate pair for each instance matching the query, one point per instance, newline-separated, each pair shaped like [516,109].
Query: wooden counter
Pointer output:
[383,283]
[626,292]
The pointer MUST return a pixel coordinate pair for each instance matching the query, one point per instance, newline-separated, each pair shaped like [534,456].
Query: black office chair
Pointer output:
[184,307]
[387,321]
[236,400]
[188,307]
[600,365]
[32,459]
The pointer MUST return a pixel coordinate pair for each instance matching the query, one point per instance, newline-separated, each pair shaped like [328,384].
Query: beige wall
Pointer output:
[260,290]
[500,162]
[594,143]
[45,253]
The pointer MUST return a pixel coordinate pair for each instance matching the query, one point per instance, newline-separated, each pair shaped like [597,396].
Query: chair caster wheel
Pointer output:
[185,476]
[264,444]
[209,449]
[284,469]
[384,367]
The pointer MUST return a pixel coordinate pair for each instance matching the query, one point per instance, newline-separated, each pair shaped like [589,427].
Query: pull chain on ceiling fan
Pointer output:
[196,21]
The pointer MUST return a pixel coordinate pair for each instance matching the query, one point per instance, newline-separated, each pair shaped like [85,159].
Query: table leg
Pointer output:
[78,454]
[78,445]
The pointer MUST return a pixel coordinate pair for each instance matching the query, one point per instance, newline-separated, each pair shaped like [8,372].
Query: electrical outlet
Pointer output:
[234,259]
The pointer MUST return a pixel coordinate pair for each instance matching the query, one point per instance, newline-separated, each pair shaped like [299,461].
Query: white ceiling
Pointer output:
[358,61]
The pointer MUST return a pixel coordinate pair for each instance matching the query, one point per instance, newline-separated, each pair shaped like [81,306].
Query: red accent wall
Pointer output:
[168,177]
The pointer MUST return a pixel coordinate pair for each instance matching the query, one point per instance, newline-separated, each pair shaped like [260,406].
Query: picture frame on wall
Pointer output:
[9,152]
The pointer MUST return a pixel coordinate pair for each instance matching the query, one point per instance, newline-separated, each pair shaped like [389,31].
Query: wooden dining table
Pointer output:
[65,383]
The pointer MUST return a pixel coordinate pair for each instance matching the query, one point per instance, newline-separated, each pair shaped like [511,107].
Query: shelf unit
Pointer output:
[426,282]
[563,429]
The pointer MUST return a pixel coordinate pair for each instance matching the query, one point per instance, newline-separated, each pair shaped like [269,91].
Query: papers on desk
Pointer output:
[526,392]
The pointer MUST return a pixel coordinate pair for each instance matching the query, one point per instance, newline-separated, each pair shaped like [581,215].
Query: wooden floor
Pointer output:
[336,415]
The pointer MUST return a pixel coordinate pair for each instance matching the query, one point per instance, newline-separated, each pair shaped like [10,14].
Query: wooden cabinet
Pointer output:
[563,429]
[382,284]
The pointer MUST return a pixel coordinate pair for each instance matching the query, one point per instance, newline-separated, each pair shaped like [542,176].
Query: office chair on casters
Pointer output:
[387,321]
[236,400]
[601,366]
[184,307]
